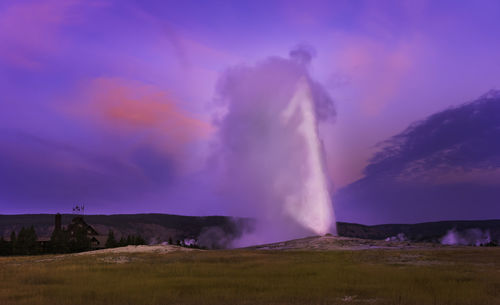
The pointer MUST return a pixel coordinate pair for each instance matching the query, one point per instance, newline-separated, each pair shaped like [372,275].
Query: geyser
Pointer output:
[310,205]
[269,157]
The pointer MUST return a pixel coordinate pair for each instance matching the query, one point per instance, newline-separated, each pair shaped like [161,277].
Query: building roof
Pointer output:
[80,222]
[100,240]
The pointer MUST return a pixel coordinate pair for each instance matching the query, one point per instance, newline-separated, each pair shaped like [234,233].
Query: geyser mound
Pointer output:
[269,155]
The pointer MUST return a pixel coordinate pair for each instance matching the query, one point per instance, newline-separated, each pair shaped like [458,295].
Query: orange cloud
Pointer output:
[137,105]
[133,108]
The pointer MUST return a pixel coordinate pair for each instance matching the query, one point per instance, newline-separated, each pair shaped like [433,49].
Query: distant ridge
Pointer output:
[221,230]
[154,227]
[425,231]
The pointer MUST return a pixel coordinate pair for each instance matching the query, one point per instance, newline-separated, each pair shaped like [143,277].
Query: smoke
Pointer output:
[470,237]
[269,159]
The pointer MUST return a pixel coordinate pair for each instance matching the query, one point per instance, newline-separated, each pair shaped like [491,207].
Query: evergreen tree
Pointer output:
[59,242]
[170,241]
[13,243]
[122,242]
[130,240]
[139,240]
[26,243]
[79,241]
[20,245]
[4,247]
[30,242]
[111,241]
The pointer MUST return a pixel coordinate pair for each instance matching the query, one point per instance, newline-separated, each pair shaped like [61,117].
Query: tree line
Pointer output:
[23,243]
[61,241]
[111,242]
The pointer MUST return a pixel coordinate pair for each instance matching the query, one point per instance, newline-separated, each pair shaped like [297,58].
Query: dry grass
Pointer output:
[445,276]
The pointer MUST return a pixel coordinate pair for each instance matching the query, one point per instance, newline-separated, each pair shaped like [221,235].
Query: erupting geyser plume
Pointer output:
[310,206]
[269,155]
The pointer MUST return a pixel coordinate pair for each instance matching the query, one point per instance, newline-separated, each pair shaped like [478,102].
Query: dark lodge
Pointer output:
[77,225]
[77,230]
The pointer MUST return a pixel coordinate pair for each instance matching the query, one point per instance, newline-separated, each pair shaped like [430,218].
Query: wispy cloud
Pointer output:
[29,30]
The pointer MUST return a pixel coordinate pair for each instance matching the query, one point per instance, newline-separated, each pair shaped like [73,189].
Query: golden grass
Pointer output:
[467,276]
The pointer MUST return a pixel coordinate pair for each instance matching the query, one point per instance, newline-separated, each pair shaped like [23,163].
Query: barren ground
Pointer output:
[327,243]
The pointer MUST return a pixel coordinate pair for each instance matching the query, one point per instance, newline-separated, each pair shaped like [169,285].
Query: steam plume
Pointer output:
[269,155]
[470,237]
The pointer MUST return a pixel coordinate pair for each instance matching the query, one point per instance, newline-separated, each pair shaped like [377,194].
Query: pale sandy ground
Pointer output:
[117,255]
[121,255]
[321,243]
[159,249]
[324,243]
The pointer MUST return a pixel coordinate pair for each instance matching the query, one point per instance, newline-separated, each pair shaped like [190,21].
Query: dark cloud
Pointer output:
[444,167]
[464,136]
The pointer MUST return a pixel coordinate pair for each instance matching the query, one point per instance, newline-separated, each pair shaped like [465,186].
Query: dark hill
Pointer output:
[155,228]
[220,230]
[426,231]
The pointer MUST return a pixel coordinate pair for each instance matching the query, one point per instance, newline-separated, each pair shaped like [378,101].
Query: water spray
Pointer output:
[311,206]
[271,159]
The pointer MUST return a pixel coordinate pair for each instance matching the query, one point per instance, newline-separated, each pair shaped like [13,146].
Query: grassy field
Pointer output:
[465,276]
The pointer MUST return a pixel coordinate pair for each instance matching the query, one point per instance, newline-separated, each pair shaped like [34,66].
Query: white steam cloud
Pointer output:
[470,237]
[269,158]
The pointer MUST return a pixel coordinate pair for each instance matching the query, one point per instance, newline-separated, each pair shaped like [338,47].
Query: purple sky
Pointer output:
[111,103]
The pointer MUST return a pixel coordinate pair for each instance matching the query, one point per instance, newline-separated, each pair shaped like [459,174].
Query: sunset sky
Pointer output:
[112,103]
